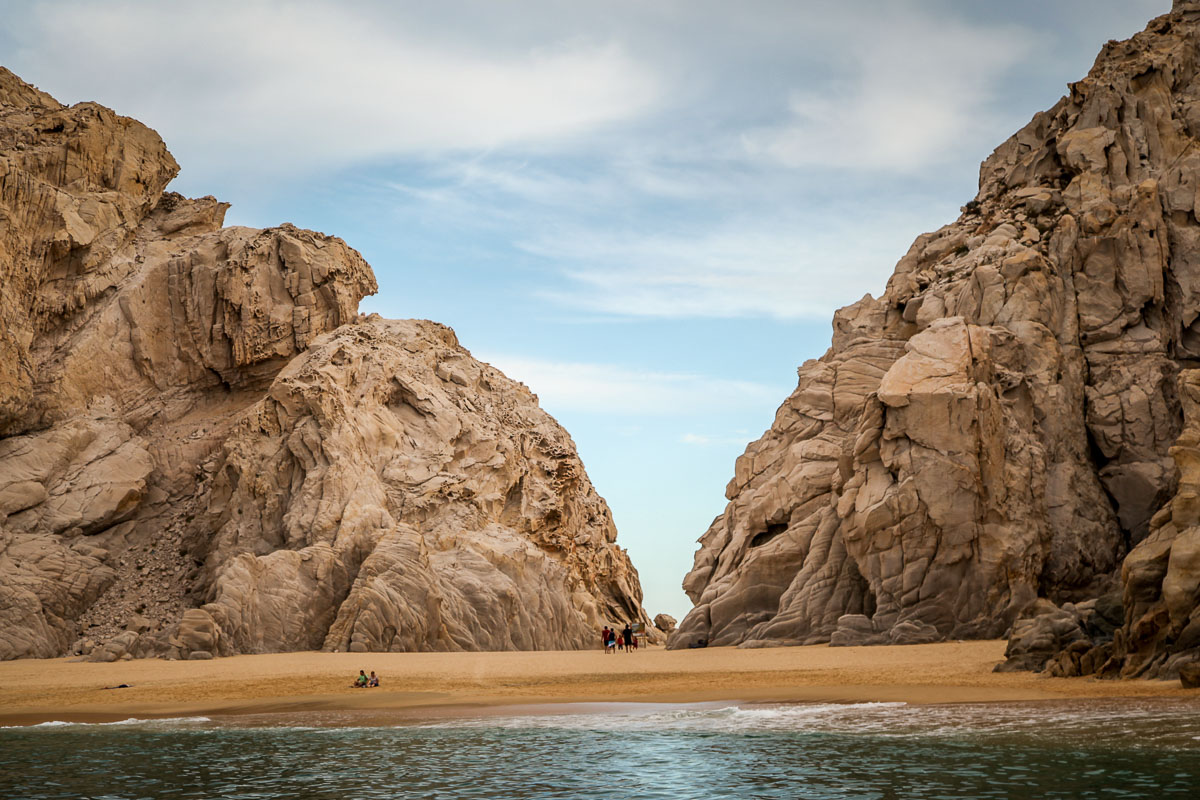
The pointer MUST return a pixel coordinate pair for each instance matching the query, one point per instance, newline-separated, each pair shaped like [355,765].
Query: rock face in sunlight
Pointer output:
[205,450]
[997,442]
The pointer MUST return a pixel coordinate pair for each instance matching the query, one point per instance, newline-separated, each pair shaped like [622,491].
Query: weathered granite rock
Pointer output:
[193,415]
[913,632]
[1074,639]
[1161,575]
[1039,637]
[408,498]
[46,582]
[1189,675]
[197,632]
[995,428]
[82,476]
[74,184]
[116,648]
[665,623]
[854,630]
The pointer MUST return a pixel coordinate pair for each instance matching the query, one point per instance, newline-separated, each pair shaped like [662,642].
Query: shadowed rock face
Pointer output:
[991,436]
[196,419]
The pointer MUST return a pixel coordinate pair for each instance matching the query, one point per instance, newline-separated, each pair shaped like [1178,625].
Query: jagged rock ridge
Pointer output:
[991,438]
[203,442]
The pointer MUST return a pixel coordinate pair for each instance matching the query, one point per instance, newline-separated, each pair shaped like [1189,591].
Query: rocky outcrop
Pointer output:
[389,492]
[1161,575]
[204,449]
[992,433]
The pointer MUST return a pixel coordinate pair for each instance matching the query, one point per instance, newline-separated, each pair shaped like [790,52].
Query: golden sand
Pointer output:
[39,690]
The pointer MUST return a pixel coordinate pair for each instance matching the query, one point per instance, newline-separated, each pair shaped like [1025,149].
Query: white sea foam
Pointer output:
[166,721]
[162,721]
[1087,720]
[726,719]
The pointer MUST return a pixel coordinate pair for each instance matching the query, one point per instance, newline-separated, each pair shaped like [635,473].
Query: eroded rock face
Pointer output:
[1161,575]
[995,428]
[193,415]
[74,185]
[389,492]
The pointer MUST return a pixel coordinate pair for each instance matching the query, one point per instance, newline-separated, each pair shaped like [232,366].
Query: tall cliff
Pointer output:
[991,438]
[205,449]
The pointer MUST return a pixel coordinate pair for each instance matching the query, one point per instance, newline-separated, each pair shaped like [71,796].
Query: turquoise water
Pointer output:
[1127,749]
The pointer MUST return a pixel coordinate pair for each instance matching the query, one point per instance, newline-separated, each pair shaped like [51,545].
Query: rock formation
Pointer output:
[203,442]
[992,437]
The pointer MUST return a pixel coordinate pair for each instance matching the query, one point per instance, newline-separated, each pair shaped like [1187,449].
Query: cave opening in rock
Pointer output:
[770,533]
[869,602]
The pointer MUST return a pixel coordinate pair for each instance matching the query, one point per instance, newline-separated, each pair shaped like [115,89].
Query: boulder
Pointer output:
[115,649]
[665,623]
[1189,675]
[197,631]
[1035,640]
[855,630]
[909,632]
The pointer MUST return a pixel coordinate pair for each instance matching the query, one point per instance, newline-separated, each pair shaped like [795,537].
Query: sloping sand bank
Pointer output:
[58,689]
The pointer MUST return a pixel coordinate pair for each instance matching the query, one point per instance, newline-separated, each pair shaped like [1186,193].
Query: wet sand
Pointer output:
[34,691]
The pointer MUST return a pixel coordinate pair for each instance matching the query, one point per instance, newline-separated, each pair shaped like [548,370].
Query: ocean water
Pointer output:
[1087,749]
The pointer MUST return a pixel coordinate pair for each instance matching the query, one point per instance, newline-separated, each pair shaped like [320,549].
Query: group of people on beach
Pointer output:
[363,682]
[614,640]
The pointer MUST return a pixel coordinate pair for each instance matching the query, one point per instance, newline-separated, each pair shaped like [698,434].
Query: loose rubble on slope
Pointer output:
[988,446]
[205,449]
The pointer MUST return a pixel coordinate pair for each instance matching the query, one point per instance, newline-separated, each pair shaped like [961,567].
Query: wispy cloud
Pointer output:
[618,390]
[492,185]
[649,161]
[304,84]
[909,88]
[786,269]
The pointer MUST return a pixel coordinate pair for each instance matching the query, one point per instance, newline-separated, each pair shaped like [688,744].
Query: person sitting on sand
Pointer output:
[374,682]
[361,681]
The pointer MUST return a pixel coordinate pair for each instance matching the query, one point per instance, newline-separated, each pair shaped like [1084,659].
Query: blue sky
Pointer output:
[646,211]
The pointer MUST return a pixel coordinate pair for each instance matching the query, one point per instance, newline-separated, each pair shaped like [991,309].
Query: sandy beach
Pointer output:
[34,691]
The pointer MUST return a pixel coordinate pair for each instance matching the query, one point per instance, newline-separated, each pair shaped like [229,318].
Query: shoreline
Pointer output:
[476,684]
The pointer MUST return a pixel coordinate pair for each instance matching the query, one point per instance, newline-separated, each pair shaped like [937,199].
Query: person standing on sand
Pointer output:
[604,638]
[628,634]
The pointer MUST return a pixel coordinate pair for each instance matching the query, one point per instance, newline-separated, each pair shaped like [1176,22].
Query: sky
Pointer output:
[647,211]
